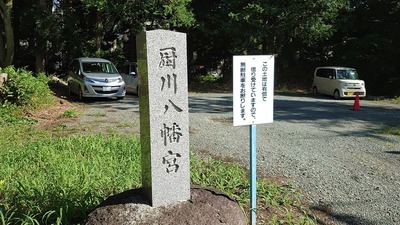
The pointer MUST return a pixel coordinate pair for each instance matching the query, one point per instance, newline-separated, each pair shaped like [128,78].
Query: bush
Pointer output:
[22,88]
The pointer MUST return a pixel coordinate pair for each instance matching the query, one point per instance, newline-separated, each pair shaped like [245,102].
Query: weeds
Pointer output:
[396,100]
[22,92]
[22,88]
[69,113]
[234,180]
[62,179]
[394,130]
[48,180]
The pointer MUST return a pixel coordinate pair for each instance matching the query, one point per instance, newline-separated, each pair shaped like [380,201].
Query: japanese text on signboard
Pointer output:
[253,84]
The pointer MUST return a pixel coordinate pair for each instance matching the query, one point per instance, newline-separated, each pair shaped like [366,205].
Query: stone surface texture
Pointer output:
[164,116]
[205,207]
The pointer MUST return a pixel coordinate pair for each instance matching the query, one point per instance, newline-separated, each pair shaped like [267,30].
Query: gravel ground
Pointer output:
[335,155]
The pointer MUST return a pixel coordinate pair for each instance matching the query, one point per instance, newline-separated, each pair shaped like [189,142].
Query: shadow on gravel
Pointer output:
[222,104]
[337,116]
[393,152]
[342,218]
[128,103]
[327,112]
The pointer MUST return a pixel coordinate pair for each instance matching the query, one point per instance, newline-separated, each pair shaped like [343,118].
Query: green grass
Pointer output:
[69,113]
[394,130]
[59,180]
[396,100]
[65,177]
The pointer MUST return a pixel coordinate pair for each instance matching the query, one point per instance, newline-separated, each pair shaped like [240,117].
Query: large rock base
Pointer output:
[206,207]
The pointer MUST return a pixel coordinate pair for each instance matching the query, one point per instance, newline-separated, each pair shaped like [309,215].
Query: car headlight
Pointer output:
[88,80]
[343,84]
[120,80]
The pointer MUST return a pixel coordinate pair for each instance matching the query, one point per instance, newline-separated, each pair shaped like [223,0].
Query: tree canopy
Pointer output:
[302,34]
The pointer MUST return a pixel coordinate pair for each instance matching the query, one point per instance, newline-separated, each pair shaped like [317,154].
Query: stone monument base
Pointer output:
[205,207]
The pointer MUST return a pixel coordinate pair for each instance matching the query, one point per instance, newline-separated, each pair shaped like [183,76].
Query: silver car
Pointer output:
[94,77]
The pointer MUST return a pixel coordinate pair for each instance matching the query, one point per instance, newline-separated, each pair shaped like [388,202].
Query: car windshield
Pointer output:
[350,74]
[98,67]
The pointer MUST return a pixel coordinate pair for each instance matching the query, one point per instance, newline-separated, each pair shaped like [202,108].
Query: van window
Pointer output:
[325,73]
[347,74]
[125,69]
[98,67]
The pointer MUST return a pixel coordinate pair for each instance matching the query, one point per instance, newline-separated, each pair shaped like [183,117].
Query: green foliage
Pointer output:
[107,28]
[234,180]
[394,130]
[21,92]
[373,46]
[207,78]
[396,100]
[60,180]
[69,113]
[24,89]
[48,180]
[296,32]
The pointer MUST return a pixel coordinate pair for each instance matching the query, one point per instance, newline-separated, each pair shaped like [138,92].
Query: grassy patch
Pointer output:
[59,180]
[395,130]
[275,204]
[396,101]
[69,113]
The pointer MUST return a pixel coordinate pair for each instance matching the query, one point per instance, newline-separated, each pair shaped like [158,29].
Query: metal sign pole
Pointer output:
[253,173]
[253,103]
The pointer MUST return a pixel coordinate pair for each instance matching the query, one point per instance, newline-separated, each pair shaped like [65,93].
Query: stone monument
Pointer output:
[164,134]
[164,116]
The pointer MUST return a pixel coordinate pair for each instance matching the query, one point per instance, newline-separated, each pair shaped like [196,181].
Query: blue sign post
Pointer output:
[253,172]
[253,91]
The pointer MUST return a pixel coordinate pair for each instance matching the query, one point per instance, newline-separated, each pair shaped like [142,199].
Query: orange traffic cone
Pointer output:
[356,105]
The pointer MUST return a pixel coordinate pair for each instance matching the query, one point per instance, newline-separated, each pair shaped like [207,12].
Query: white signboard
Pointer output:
[253,89]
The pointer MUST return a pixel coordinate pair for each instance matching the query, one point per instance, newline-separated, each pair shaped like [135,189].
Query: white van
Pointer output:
[339,82]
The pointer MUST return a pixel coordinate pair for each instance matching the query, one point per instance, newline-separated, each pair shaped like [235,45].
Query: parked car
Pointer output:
[94,77]
[130,75]
[339,82]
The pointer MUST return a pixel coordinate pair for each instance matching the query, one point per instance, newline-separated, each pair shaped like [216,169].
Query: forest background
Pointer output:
[44,35]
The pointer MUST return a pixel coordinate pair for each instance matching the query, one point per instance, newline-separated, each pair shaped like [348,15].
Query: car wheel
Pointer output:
[315,90]
[336,95]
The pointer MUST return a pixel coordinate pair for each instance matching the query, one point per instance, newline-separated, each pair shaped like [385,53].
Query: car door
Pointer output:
[129,74]
[332,82]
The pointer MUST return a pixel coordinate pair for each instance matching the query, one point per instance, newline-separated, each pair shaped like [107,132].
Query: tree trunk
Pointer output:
[41,49]
[99,30]
[6,41]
